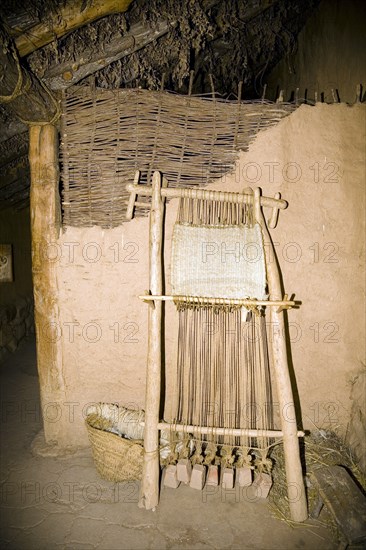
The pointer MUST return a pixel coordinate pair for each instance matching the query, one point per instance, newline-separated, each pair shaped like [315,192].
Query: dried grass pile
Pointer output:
[320,448]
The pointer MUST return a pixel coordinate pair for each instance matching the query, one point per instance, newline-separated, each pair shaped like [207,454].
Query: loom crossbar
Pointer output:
[204,194]
[237,432]
[286,304]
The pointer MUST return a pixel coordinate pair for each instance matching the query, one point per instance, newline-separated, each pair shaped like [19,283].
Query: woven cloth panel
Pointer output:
[218,262]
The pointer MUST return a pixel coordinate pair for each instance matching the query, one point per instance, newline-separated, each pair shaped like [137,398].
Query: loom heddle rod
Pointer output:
[237,432]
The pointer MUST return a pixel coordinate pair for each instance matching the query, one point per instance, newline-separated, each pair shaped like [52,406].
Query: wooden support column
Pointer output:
[45,227]
[294,476]
[149,491]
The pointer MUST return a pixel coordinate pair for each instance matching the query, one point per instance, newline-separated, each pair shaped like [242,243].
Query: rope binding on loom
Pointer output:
[220,304]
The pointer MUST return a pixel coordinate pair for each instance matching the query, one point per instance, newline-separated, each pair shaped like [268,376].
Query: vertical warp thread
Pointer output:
[223,375]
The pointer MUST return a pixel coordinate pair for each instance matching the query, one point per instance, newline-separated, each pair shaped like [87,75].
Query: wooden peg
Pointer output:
[257,204]
[358,93]
[212,86]
[132,199]
[240,90]
[151,303]
[191,77]
[280,97]
[162,82]
[264,92]
[272,222]
[284,306]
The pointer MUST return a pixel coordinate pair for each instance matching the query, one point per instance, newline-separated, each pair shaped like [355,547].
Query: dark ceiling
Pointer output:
[219,43]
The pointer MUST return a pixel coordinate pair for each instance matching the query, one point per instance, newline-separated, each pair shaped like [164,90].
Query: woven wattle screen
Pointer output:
[107,135]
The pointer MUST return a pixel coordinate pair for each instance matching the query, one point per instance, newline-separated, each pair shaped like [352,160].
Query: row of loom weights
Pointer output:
[198,476]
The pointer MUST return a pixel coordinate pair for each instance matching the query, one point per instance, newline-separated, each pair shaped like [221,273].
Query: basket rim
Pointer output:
[139,442]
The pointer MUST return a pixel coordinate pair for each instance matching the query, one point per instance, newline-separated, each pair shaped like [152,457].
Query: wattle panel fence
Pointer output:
[107,135]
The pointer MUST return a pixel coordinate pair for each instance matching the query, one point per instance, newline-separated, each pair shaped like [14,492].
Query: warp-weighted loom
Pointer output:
[221,286]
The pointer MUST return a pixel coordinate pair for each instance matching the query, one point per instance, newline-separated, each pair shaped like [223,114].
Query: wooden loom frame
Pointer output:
[149,490]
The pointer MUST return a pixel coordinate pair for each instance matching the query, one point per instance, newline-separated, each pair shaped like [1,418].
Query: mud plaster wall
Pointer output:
[316,158]
[330,53]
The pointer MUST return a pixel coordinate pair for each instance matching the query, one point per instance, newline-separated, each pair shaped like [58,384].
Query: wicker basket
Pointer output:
[116,459]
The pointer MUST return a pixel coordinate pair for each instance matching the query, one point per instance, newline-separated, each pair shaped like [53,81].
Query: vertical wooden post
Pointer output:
[45,226]
[294,476]
[149,491]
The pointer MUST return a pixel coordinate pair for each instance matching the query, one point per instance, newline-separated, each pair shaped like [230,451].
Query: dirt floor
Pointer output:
[60,502]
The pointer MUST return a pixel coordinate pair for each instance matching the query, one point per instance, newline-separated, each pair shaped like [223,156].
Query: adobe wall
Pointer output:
[316,159]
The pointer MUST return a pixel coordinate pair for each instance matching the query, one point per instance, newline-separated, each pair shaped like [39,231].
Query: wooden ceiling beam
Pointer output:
[66,19]
[64,75]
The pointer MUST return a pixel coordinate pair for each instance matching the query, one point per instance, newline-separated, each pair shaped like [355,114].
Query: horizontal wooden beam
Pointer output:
[210,430]
[71,16]
[64,75]
[201,300]
[197,193]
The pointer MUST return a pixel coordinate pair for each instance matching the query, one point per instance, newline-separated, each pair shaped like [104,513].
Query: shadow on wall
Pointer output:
[16,297]
[16,322]
[329,63]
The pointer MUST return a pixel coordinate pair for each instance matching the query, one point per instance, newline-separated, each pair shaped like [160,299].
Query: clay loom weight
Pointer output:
[227,478]
[244,476]
[184,470]
[213,475]
[170,477]
[262,485]
[198,477]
